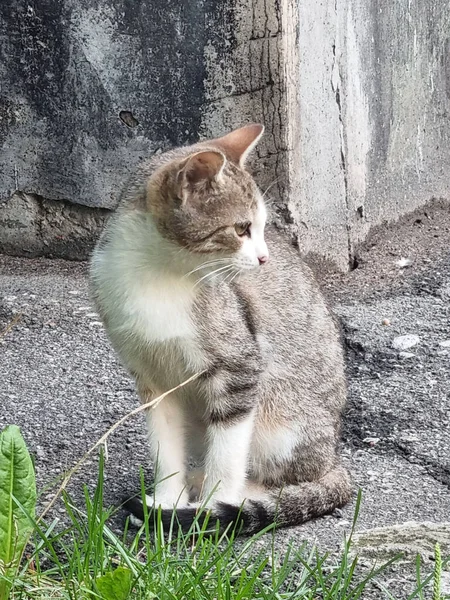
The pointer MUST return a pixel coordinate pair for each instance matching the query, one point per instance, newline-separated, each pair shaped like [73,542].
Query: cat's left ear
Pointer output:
[238,144]
[202,167]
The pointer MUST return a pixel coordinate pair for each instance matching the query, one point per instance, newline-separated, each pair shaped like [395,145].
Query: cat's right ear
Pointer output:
[201,168]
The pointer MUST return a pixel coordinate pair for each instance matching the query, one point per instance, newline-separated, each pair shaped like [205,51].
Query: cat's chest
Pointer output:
[161,313]
[163,310]
[164,314]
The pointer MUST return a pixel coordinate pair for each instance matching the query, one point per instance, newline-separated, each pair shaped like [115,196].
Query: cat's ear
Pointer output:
[239,143]
[200,167]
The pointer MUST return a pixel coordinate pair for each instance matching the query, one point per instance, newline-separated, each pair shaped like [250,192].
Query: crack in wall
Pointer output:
[49,227]
[335,85]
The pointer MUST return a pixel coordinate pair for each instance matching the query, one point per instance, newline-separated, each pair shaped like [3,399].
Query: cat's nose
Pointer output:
[263,259]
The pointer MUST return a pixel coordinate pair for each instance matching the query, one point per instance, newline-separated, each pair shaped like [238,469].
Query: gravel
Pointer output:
[62,384]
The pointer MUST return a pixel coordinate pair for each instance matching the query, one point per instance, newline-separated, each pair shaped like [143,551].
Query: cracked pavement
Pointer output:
[62,384]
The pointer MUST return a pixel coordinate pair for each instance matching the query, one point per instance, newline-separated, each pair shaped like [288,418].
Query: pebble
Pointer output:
[406,355]
[403,263]
[445,344]
[385,322]
[371,440]
[343,523]
[404,342]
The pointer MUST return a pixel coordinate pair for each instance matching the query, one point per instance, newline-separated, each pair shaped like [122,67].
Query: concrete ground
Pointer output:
[62,384]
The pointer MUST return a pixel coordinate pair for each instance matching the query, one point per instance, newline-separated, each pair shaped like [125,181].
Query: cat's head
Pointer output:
[208,205]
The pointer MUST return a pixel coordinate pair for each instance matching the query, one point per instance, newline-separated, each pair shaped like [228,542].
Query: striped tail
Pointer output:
[284,507]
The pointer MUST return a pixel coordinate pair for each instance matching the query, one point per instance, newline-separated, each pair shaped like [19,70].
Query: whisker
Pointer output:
[215,274]
[220,269]
[230,275]
[225,272]
[234,276]
[208,263]
[270,186]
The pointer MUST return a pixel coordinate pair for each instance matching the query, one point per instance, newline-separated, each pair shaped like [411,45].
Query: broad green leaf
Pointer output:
[17,480]
[115,585]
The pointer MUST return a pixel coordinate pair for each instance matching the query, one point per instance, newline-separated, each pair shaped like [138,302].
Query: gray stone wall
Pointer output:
[354,96]
[369,114]
[395,77]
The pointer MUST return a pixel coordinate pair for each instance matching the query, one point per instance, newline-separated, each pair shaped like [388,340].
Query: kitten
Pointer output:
[183,282]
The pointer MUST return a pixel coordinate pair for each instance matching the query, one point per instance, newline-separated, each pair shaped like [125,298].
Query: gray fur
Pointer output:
[269,347]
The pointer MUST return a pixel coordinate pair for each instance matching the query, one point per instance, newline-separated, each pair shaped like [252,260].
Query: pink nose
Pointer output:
[263,259]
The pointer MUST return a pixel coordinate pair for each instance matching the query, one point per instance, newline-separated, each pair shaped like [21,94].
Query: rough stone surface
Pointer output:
[354,98]
[394,83]
[33,226]
[103,85]
[408,539]
[62,384]
[90,88]
[405,342]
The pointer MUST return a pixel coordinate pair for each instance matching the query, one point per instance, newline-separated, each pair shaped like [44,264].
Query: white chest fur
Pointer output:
[140,297]
[162,309]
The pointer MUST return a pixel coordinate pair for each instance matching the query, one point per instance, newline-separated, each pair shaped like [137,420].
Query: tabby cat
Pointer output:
[183,282]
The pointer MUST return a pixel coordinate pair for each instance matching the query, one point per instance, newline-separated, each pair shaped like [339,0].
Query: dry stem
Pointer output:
[152,404]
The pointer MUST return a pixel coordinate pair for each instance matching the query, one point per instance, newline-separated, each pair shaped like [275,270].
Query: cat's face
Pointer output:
[210,207]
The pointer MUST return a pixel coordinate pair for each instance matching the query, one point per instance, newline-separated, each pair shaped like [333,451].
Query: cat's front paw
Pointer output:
[168,500]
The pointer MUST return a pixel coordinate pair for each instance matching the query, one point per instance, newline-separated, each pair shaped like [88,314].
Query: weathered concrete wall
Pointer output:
[369,117]
[354,96]
[395,77]
[89,87]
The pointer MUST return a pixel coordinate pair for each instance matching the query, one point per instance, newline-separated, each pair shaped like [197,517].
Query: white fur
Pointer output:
[142,291]
[167,441]
[160,307]
[271,445]
[226,461]
[254,246]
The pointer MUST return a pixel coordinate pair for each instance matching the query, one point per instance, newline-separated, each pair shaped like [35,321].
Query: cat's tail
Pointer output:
[287,506]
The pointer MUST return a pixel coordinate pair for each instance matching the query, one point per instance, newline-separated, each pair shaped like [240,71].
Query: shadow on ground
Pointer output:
[62,384]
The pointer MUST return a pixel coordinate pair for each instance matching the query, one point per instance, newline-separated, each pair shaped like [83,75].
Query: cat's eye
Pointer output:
[242,229]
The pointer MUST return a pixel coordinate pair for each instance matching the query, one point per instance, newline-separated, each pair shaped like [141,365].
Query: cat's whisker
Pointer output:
[230,275]
[225,279]
[270,186]
[238,272]
[227,274]
[211,274]
[208,263]
[199,269]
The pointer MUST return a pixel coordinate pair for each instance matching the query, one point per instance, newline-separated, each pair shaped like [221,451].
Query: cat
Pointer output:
[187,279]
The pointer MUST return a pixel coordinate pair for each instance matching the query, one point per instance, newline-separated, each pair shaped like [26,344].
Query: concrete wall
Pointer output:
[395,76]
[354,96]
[370,115]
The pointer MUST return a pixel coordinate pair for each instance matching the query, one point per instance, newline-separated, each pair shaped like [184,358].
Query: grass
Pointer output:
[80,557]
[86,559]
